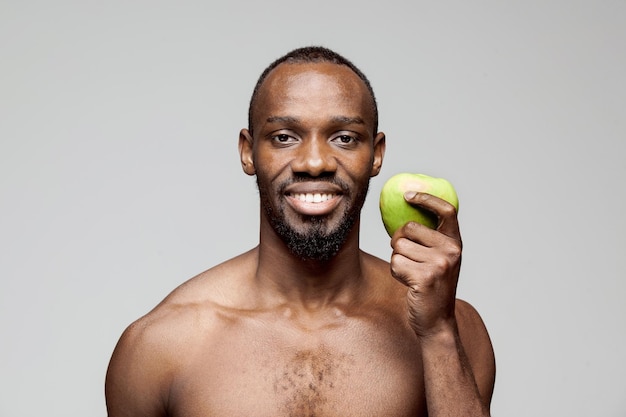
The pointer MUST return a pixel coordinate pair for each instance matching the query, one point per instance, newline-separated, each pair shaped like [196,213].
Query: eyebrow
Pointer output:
[348,120]
[281,119]
[337,119]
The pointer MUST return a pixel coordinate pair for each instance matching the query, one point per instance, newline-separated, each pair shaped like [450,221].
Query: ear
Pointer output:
[246,143]
[379,153]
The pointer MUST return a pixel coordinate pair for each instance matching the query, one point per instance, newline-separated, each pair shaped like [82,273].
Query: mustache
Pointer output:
[345,188]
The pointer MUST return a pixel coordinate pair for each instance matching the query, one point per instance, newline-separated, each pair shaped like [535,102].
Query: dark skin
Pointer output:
[271,334]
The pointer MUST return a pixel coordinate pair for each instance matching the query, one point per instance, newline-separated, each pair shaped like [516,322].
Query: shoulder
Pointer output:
[194,302]
[471,326]
[155,347]
[147,357]
[477,345]
[467,313]
[137,376]
[222,284]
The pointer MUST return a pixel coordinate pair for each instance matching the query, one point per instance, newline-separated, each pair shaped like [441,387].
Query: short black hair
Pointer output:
[312,54]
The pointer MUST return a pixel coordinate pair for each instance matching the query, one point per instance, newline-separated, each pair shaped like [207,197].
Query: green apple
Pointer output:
[395,210]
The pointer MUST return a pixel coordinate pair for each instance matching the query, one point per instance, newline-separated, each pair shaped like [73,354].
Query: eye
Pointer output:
[283,139]
[345,140]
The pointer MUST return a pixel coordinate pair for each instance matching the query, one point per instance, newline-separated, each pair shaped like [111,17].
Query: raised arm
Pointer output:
[459,366]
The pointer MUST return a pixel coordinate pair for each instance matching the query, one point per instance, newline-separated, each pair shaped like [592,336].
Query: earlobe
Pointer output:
[245,152]
[379,153]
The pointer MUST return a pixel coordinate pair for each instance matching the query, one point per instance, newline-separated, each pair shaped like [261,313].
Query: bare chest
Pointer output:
[340,372]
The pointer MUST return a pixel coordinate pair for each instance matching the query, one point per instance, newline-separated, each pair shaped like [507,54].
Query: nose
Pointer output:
[315,157]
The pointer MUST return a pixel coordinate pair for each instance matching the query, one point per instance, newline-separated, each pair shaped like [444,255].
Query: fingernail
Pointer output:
[409,195]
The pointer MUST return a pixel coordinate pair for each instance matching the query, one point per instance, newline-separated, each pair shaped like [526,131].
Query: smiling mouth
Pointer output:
[312,197]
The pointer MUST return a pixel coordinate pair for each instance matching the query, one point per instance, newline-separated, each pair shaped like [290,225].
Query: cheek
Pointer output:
[271,172]
[270,163]
[360,169]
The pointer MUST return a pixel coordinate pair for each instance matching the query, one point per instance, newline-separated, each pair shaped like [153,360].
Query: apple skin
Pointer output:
[395,210]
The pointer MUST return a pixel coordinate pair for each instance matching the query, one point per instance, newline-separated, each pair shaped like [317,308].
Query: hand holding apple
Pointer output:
[396,211]
[425,259]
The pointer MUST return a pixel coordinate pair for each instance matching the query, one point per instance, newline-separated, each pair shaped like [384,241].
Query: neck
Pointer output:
[287,278]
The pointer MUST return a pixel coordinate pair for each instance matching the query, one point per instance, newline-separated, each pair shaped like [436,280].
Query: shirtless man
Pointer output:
[306,324]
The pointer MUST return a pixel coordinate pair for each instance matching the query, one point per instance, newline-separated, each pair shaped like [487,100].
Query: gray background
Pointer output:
[119,173]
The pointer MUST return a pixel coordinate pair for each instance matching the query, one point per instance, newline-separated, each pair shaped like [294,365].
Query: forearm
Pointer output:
[451,388]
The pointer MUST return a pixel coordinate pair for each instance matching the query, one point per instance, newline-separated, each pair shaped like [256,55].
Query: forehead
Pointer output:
[313,89]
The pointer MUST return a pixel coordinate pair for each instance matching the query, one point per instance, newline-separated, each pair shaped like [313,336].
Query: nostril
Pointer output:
[315,157]
[315,166]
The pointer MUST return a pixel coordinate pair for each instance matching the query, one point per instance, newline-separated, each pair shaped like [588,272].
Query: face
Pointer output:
[313,150]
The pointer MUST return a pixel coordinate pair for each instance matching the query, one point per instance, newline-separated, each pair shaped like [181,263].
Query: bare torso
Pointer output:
[307,324]
[224,356]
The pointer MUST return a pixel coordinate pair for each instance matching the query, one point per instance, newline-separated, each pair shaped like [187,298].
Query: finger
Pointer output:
[447,222]
[401,268]
[419,278]
[411,248]
[418,233]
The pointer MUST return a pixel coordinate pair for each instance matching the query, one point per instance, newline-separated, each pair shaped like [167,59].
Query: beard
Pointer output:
[320,242]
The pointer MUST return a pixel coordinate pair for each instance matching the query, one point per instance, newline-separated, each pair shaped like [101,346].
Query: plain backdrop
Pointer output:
[120,179]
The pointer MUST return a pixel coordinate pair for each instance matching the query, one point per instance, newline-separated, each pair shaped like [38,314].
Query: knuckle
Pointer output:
[402,245]
[448,210]
[441,265]
[411,228]
[396,264]
[400,269]
[452,249]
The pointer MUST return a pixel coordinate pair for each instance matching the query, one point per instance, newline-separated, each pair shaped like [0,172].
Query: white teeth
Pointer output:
[312,198]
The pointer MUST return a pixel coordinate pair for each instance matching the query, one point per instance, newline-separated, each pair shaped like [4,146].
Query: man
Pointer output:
[306,324]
